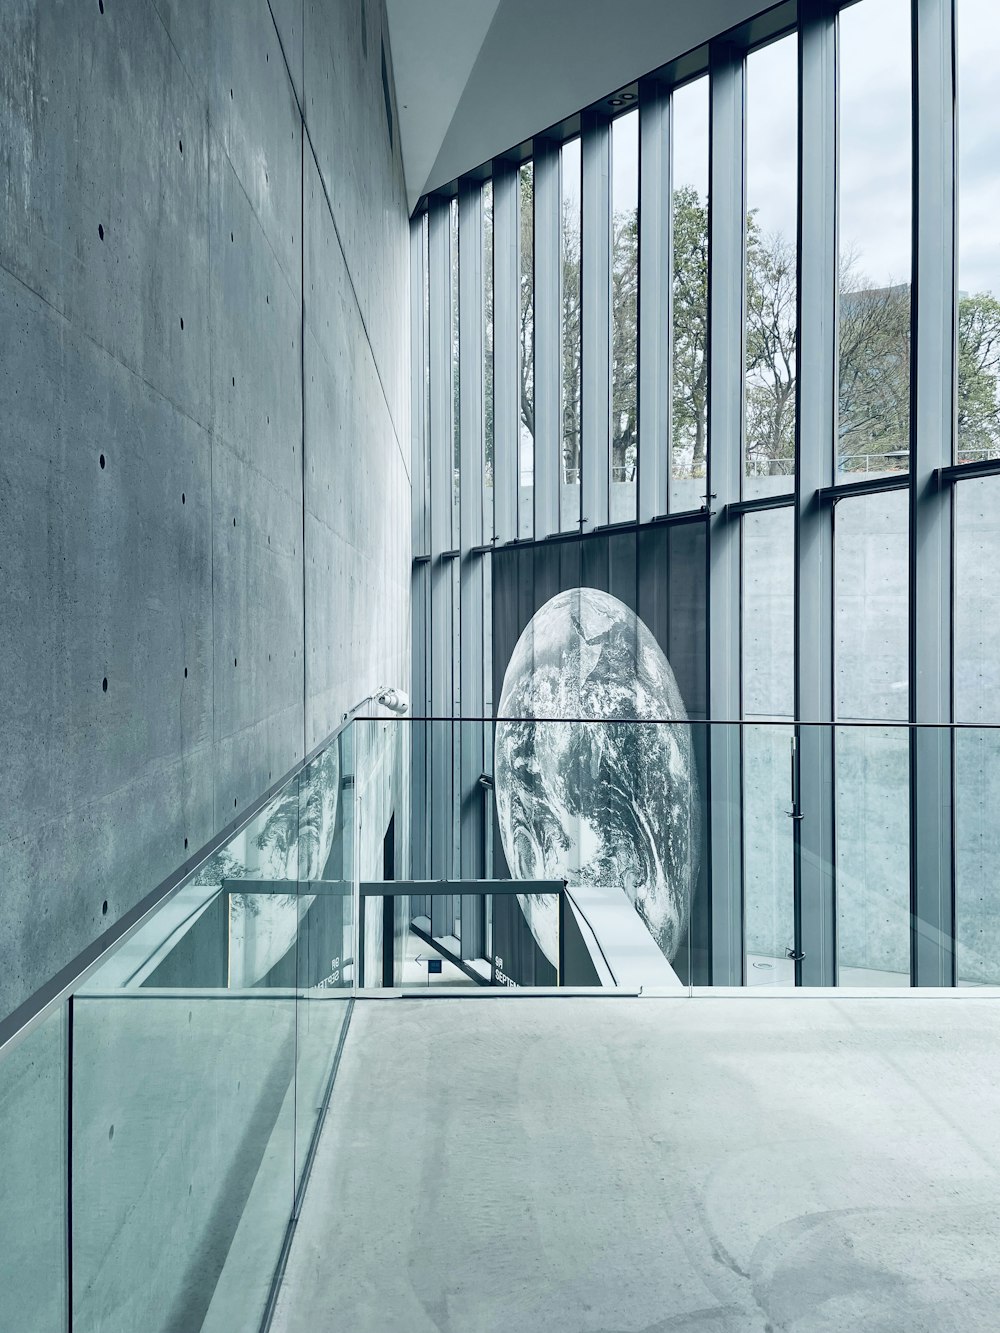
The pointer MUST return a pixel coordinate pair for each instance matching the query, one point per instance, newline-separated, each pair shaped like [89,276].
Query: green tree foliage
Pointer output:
[690,340]
[978,372]
[624,344]
[873,351]
[571,333]
[770,349]
[527,298]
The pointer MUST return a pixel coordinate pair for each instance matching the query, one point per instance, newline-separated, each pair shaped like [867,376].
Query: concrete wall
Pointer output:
[204,491]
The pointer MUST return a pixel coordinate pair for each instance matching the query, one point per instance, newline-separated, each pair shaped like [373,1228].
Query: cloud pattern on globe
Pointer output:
[597,802]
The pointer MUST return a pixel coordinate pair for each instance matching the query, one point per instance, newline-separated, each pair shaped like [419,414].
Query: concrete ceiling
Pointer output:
[476,77]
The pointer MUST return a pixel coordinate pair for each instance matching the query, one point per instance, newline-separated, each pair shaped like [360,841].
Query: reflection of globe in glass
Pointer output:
[592,802]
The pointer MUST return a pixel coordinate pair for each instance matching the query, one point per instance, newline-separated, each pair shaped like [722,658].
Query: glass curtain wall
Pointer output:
[871,576]
[689,354]
[768,546]
[977,499]
[771,310]
[489,492]
[624,316]
[571,235]
[526,357]
[872,762]
[977,748]
[876,218]
[978,50]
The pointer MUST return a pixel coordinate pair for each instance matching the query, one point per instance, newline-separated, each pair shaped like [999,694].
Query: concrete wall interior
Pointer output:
[204,489]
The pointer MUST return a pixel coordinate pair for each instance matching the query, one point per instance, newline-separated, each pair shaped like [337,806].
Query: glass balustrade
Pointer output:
[157,1118]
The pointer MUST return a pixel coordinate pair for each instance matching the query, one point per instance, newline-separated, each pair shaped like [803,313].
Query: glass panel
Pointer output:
[977,601]
[872,607]
[977,752]
[33,1178]
[184,1091]
[768,691]
[978,240]
[872,763]
[526,444]
[873,856]
[569,508]
[875,238]
[768,847]
[624,313]
[768,614]
[689,415]
[324,961]
[771,282]
[488,528]
[183,1129]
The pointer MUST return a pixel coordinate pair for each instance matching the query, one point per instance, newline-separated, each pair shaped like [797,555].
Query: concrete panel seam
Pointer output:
[336,232]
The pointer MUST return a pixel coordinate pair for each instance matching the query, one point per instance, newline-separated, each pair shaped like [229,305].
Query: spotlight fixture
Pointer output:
[387,696]
[395,700]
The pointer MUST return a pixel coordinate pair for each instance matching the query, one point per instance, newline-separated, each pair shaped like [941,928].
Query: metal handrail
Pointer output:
[34,1010]
[38,1006]
[880,724]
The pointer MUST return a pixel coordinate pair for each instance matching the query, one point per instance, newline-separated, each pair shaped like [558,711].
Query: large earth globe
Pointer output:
[594,770]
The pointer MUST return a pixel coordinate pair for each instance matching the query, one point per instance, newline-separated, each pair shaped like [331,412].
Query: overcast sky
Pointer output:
[875,140]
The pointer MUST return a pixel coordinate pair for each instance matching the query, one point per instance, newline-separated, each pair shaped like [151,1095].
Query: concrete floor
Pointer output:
[638,1166]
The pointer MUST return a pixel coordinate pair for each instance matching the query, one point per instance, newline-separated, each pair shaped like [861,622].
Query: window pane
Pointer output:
[488,528]
[872,763]
[872,607]
[569,507]
[768,691]
[977,752]
[624,311]
[978,236]
[526,443]
[768,614]
[689,422]
[771,283]
[768,850]
[875,222]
